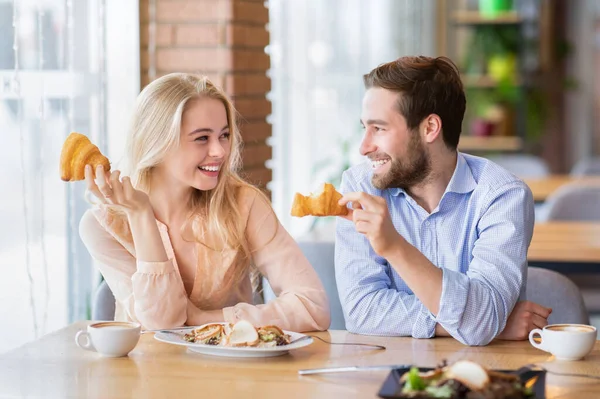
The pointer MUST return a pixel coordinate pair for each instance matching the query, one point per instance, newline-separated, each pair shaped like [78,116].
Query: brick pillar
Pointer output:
[224,39]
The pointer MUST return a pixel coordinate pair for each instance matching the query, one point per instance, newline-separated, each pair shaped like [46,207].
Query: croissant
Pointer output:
[320,204]
[78,151]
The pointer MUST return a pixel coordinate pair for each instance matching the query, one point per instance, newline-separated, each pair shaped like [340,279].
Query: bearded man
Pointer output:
[436,241]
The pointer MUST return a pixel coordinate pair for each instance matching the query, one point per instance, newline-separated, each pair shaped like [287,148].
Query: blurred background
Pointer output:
[294,70]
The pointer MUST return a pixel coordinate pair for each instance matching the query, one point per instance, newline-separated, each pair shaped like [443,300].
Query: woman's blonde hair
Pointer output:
[155,132]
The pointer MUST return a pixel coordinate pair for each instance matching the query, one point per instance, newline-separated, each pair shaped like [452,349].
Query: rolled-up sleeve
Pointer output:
[301,303]
[475,306]
[371,303]
[151,293]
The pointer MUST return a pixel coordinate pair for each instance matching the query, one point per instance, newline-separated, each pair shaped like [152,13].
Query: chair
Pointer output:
[587,167]
[553,290]
[103,306]
[522,165]
[574,202]
[320,255]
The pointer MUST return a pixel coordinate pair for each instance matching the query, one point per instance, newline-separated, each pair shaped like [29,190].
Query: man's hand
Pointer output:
[371,218]
[525,317]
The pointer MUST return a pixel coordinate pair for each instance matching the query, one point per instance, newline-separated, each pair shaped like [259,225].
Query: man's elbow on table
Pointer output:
[370,326]
[480,335]
[359,323]
[355,325]
[479,339]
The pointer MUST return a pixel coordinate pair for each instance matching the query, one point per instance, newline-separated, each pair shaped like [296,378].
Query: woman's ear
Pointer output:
[431,128]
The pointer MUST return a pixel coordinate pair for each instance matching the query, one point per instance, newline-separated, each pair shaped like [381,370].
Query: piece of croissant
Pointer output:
[319,204]
[78,151]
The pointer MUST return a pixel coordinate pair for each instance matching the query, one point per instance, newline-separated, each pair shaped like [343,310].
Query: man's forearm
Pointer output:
[421,276]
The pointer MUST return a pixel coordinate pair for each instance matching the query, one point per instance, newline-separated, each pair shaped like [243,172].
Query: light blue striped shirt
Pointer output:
[478,235]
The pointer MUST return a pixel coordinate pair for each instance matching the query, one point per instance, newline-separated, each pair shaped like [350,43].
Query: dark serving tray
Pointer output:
[391,386]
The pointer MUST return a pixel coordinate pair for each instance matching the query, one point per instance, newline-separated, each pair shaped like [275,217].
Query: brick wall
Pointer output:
[224,39]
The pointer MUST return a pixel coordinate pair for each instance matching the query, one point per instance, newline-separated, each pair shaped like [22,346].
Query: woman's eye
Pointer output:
[201,138]
[225,136]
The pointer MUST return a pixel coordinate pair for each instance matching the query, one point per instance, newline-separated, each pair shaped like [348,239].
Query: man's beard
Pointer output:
[405,173]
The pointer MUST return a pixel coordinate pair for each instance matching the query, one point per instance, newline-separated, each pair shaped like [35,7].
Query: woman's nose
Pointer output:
[216,149]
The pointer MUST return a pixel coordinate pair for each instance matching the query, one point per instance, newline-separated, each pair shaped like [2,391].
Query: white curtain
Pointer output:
[51,83]
[319,51]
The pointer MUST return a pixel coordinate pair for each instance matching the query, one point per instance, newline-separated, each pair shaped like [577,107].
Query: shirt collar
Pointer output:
[462,180]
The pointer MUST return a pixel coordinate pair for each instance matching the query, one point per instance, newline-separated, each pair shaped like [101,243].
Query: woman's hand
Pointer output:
[198,317]
[111,189]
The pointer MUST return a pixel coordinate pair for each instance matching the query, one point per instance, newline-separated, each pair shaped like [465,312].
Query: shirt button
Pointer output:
[427,223]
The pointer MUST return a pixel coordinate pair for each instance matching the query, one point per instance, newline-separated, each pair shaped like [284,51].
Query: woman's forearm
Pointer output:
[146,237]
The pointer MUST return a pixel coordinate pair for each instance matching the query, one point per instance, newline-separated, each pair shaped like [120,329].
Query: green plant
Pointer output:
[491,8]
[490,53]
[487,41]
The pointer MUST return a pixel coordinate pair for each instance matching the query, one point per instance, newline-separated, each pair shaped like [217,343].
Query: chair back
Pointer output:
[524,166]
[587,167]
[320,255]
[554,290]
[103,305]
[574,202]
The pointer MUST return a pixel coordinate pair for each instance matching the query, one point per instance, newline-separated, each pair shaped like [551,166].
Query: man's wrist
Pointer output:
[397,252]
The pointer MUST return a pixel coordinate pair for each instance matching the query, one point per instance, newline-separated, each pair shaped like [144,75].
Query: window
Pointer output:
[54,80]
[319,51]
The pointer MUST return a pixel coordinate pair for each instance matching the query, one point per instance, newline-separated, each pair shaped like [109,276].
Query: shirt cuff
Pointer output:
[455,289]
[165,267]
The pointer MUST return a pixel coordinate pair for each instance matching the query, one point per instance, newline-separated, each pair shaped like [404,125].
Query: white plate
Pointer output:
[176,338]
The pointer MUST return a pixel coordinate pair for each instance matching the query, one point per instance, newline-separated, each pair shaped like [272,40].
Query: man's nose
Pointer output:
[367,146]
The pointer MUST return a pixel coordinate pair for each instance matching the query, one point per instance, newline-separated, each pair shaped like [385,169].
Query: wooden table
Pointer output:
[54,367]
[566,246]
[542,188]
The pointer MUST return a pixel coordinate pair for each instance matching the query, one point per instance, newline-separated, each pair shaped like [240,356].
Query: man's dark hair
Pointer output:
[426,86]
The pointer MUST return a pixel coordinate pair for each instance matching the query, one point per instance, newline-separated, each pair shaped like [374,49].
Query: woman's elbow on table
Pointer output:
[323,318]
[317,307]
[160,316]
[152,322]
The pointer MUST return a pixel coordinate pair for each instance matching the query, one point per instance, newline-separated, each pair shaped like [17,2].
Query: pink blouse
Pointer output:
[153,293]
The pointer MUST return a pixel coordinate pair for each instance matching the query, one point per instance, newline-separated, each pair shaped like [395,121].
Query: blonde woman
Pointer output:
[180,239]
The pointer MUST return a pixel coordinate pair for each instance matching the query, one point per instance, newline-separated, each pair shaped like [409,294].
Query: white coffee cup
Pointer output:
[110,338]
[565,341]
